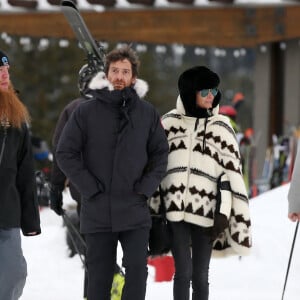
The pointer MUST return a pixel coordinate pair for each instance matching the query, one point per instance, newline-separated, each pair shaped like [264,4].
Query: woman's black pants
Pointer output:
[191,249]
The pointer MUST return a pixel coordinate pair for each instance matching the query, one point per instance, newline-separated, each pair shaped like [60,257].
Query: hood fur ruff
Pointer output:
[99,81]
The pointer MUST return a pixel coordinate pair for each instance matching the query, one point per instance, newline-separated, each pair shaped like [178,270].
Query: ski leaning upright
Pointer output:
[95,53]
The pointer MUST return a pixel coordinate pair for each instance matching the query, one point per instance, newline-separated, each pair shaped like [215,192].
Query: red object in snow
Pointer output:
[164,267]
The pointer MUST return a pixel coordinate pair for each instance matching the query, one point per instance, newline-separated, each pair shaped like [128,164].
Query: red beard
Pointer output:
[12,110]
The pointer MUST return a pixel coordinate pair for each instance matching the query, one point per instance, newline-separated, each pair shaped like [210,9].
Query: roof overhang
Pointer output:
[221,26]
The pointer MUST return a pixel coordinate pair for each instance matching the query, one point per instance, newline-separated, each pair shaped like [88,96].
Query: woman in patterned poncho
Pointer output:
[203,191]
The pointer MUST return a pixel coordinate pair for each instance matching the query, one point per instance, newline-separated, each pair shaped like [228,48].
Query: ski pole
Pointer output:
[68,221]
[75,231]
[290,259]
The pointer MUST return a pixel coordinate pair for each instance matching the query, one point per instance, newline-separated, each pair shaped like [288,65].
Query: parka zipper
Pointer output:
[190,152]
[189,165]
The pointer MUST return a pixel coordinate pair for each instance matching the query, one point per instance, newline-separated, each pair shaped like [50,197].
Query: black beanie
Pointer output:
[3,59]
[193,80]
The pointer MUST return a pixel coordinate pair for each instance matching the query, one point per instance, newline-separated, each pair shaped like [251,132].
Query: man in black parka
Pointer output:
[114,150]
[58,179]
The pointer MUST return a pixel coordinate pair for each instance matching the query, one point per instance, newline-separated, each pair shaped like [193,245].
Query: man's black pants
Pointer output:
[101,259]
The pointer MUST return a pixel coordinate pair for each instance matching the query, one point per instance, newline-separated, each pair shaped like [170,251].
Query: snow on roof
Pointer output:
[44,5]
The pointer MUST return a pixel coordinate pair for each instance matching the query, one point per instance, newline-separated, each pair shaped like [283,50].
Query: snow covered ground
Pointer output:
[52,275]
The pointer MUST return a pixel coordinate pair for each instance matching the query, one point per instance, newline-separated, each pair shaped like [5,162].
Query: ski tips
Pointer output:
[68,3]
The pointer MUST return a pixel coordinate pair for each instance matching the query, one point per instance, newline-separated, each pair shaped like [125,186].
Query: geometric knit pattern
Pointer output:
[199,152]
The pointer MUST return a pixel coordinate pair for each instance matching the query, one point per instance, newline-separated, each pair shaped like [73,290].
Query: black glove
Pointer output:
[56,199]
[220,224]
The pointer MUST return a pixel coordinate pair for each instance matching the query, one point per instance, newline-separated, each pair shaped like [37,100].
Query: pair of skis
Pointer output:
[94,52]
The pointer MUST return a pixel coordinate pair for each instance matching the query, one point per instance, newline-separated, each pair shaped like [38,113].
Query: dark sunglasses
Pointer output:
[205,92]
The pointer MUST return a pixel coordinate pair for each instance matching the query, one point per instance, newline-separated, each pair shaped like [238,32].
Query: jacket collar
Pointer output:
[99,82]
[181,110]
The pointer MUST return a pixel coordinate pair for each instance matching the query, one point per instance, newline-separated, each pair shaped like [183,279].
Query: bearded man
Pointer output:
[18,200]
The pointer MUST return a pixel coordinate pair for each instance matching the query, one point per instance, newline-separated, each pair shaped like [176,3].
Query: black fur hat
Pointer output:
[193,80]
[3,59]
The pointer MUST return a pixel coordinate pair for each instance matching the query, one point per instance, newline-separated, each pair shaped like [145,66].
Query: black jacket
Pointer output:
[58,178]
[18,199]
[115,152]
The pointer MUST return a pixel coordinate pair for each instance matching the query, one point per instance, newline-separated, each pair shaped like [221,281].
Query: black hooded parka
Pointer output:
[18,198]
[115,151]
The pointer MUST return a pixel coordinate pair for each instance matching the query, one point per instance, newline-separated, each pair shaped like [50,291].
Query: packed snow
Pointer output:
[52,275]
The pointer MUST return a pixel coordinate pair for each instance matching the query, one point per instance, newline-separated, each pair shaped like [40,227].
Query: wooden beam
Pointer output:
[23,3]
[221,26]
[276,122]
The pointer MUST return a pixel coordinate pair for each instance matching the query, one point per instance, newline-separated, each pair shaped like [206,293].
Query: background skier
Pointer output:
[294,195]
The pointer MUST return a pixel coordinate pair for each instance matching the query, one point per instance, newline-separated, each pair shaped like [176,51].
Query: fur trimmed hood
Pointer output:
[100,81]
[192,81]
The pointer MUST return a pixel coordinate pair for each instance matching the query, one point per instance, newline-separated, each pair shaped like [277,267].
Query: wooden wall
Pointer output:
[221,25]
